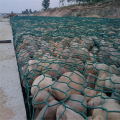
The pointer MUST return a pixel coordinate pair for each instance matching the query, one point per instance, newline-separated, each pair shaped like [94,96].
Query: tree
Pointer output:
[69,1]
[35,11]
[45,4]
[78,1]
[62,1]
[30,11]
[26,11]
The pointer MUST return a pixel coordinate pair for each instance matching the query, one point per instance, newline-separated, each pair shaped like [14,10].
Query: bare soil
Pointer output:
[100,10]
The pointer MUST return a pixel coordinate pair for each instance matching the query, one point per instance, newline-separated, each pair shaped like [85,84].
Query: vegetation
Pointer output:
[29,11]
[45,4]
[81,1]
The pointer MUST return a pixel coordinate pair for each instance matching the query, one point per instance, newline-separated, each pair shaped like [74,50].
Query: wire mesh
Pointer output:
[69,66]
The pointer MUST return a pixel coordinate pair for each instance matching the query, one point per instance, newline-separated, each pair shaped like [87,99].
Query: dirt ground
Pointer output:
[104,10]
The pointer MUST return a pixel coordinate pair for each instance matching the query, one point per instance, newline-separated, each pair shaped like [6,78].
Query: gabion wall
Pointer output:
[69,67]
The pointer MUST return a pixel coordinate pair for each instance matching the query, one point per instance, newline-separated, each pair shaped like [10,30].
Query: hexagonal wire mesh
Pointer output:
[69,66]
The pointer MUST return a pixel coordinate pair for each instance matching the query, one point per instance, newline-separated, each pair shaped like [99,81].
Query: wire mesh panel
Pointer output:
[69,67]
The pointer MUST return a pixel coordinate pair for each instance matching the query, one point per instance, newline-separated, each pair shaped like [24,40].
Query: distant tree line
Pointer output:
[29,11]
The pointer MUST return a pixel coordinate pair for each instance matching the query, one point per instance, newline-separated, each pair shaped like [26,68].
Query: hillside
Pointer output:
[107,9]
